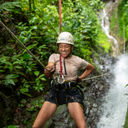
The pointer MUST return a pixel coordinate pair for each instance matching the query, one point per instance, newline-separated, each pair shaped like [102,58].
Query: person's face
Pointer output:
[64,49]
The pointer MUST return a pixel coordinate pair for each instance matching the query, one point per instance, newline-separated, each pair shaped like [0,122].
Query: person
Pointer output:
[65,86]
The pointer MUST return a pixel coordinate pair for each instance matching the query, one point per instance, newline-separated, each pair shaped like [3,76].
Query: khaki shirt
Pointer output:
[72,64]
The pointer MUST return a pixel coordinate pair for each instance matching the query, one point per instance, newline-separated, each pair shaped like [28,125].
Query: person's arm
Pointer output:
[49,69]
[87,71]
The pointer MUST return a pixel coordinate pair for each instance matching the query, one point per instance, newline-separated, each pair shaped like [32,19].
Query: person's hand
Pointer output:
[49,69]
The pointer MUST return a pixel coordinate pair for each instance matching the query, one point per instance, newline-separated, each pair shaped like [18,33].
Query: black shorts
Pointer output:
[64,96]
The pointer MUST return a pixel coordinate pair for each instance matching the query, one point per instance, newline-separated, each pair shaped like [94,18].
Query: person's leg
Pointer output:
[45,113]
[77,114]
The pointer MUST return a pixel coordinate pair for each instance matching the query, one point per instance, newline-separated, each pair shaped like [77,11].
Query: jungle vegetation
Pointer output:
[36,24]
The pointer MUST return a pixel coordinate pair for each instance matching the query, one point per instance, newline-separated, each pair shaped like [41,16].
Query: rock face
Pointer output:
[94,90]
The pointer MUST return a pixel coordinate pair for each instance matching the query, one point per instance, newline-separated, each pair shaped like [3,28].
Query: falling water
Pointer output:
[115,102]
[105,24]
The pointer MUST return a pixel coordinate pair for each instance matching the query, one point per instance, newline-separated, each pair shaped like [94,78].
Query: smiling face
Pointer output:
[65,49]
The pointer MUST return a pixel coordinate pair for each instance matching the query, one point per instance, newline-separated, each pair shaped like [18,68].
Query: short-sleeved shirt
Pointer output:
[72,66]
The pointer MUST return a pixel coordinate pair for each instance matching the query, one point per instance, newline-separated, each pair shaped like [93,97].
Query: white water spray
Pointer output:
[115,102]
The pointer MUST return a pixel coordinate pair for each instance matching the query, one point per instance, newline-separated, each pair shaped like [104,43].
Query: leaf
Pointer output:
[126,85]
[26,56]
[12,126]
[34,20]
[33,27]
[18,67]
[31,46]
[10,6]
[9,81]
[11,76]
[36,73]
[41,77]
[2,70]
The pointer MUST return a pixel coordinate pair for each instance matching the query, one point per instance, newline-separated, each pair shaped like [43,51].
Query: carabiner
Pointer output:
[61,79]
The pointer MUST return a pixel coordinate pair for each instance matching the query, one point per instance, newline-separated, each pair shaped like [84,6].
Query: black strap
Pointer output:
[65,68]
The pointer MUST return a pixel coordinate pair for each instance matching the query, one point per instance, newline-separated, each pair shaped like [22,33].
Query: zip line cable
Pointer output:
[20,43]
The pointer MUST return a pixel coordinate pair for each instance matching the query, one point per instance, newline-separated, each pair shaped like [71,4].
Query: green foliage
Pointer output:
[31,105]
[103,40]
[123,20]
[16,70]
[126,120]
[39,34]
[114,22]
[10,7]
[38,30]
[35,104]
[96,5]
[11,126]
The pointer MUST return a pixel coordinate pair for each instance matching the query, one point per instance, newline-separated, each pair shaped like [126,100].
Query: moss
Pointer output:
[103,41]
[123,20]
[126,120]
[114,26]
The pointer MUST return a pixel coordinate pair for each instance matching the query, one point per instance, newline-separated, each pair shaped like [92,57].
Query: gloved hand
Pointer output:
[49,70]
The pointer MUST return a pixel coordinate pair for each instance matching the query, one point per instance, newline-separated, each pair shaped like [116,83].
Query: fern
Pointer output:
[10,6]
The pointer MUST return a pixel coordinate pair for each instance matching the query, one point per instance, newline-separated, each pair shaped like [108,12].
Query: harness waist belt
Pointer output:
[65,85]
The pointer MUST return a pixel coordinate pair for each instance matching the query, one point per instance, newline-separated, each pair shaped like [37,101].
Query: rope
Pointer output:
[60,32]
[60,15]
[20,43]
[105,74]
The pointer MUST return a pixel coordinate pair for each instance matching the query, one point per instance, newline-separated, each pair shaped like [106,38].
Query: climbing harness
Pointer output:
[64,85]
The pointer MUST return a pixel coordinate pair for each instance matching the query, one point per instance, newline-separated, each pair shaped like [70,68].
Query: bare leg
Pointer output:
[77,114]
[45,113]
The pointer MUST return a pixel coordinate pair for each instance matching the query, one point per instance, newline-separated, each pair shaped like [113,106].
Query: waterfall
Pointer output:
[115,102]
[105,24]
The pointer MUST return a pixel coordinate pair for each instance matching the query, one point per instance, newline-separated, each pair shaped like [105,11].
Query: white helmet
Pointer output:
[65,37]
